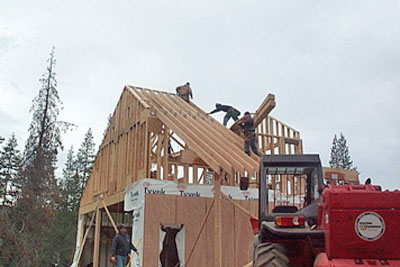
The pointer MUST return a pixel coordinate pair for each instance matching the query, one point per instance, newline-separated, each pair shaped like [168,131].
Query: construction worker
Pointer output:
[170,148]
[247,124]
[185,92]
[231,112]
[121,247]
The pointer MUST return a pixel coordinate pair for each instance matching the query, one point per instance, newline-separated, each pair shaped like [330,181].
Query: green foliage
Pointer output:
[70,184]
[85,159]
[38,213]
[340,155]
[10,160]
[35,209]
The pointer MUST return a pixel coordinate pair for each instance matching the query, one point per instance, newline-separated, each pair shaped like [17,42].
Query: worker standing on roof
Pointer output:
[231,112]
[185,92]
[121,247]
[249,131]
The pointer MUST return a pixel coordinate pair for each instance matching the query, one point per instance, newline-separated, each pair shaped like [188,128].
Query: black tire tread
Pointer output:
[270,255]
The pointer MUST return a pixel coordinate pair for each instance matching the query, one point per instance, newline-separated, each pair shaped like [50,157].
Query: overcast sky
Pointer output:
[334,66]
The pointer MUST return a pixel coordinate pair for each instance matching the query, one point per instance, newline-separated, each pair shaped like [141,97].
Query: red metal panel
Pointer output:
[322,260]
[361,222]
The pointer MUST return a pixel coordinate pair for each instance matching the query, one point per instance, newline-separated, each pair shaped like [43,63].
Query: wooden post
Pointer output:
[97,238]
[186,174]
[165,167]
[217,222]
[159,146]
[195,181]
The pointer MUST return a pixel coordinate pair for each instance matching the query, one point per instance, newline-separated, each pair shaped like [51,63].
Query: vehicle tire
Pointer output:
[270,255]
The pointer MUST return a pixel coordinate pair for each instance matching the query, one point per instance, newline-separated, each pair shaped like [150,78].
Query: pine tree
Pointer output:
[70,183]
[10,162]
[39,191]
[340,155]
[2,183]
[345,159]
[85,159]
[334,161]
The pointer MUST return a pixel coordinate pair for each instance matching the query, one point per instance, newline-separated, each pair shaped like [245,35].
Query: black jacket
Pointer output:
[224,108]
[248,125]
[122,245]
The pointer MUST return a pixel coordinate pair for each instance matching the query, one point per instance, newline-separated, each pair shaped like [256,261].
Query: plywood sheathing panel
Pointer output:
[190,212]
[228,232]
[159,209]
[243,232]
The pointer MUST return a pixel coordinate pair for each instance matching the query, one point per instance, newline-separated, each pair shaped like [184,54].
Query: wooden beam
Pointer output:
[140,99]
[159,147]
[96,249]
[217,222]
[109,216]
[165,164]
[109,200]
[190,136]
[195,174]
[186,174]
[265,108]
[86,235]
[216,140]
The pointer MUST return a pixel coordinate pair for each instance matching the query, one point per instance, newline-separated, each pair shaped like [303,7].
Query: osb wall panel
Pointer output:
[228,233]
[243,233]
[237,241]
[160,209]
[190,212]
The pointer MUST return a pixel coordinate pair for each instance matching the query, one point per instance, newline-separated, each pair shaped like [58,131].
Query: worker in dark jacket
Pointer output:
[231,112]
[121,247]
[247,124]
[185,92]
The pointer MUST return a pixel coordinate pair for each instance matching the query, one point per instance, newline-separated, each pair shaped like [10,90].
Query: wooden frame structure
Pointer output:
[136,146]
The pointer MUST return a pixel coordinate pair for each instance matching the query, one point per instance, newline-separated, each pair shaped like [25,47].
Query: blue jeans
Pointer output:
[122,261]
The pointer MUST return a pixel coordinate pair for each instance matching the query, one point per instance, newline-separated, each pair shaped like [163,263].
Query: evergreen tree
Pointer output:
[340,155]
[345,159]
[70,183]
[2,184]
[39,191]
[10,161]
[63,226]
[85,159]
[334,161]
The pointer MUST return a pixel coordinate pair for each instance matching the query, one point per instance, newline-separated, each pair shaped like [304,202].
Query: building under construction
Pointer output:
[184,202]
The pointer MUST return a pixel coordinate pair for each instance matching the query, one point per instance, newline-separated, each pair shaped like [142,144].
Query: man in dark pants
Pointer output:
[249,131]
[121,247]
[231,112]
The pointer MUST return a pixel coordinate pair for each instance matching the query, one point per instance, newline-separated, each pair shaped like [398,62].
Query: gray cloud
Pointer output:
[333,66]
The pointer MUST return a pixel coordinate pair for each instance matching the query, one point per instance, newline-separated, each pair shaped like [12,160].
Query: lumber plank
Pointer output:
[199,134]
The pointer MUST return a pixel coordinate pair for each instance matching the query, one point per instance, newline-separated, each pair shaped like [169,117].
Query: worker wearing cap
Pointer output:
[185,92]
[247,124]
[231,112]
[121,247]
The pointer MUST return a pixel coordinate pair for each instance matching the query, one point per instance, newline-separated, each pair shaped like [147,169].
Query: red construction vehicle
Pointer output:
[345,225]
